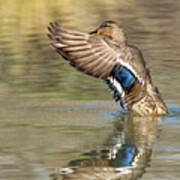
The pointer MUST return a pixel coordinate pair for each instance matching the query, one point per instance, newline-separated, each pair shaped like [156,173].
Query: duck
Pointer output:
[105,53]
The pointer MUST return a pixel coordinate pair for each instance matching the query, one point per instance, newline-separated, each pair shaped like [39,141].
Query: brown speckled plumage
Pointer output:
[103,54]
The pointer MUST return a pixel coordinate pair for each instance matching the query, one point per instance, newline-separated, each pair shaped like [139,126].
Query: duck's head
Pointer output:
[111,30]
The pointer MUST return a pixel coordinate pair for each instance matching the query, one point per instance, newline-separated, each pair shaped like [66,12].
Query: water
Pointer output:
[57,123]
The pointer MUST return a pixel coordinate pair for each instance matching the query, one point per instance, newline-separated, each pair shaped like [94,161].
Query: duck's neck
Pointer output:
[115,43]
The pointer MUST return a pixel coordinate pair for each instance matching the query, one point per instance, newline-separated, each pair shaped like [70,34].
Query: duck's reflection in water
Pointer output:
[124,156]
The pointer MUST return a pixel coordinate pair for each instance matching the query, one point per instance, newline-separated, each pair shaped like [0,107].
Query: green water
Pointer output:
[57,123]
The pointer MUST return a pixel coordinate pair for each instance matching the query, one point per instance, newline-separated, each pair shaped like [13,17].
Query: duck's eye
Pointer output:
[104,25]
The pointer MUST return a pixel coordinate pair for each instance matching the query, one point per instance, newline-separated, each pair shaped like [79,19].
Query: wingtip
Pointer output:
[51,24]
[49,36]
[53,27]
[54,24]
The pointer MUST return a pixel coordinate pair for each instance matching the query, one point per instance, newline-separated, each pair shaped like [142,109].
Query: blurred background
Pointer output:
[50,112]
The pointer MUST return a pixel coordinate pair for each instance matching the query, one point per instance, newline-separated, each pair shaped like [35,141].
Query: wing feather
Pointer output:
[87,53]
[95,57]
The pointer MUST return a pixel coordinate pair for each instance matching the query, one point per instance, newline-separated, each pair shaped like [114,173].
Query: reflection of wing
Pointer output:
[89,54]
[124,156]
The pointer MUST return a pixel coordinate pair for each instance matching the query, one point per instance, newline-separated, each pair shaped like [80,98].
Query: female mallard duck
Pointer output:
[106,54]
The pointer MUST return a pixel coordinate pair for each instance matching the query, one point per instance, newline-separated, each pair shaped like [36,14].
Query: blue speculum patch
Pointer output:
[125,156]
[125,77]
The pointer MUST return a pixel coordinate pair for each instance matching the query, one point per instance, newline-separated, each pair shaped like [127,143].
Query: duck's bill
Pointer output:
[96,32]
[93,32]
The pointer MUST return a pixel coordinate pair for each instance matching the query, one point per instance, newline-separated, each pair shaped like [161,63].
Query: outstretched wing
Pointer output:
[89,54]
[94,56]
